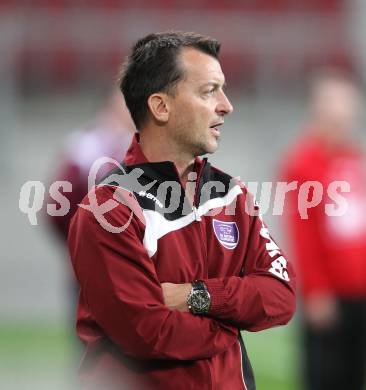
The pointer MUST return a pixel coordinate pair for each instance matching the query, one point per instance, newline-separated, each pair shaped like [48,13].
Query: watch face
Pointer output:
[200,301]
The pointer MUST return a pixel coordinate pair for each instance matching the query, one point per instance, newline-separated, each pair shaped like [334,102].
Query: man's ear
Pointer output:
[159,107]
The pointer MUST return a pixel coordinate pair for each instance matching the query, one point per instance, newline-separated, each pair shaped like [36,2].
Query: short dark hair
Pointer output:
[152,67]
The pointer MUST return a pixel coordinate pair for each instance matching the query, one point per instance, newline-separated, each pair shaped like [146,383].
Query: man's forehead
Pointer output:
[201,67]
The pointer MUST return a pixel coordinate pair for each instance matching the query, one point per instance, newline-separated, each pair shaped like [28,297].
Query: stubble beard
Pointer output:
[202,146]
[196,143]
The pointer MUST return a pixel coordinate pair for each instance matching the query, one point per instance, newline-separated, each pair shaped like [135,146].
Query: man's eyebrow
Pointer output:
[215,84]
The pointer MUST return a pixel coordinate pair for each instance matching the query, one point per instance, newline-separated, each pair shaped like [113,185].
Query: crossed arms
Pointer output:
[150,320]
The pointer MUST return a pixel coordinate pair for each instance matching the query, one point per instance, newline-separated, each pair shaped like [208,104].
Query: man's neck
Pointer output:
[157,147]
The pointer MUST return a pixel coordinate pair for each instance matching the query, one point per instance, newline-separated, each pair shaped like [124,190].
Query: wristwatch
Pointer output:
[199,300]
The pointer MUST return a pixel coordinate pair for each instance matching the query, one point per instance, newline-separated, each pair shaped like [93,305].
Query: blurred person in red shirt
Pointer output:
[107,135]
[330,250]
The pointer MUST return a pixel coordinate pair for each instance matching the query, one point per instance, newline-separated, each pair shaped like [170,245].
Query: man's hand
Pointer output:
[175,295]
[321,311]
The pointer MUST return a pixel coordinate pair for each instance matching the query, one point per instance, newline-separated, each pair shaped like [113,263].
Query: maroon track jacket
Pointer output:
[135,230]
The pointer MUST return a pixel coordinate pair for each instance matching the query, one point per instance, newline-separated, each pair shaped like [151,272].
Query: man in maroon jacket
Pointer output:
[171,254]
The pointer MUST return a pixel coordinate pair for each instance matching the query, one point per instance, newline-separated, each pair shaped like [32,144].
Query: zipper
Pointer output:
[195,198]
[195,205]
[198,218]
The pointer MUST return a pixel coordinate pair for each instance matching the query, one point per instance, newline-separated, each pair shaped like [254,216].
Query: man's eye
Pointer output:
[209,92]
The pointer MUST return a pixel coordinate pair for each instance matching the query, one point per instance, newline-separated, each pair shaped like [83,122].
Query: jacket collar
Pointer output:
[134,155]
[157,170]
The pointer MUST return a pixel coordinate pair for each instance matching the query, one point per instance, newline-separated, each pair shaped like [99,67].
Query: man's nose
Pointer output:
[224,106]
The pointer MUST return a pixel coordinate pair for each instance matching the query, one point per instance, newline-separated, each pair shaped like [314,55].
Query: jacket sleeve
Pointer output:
[265,295]
[120,286]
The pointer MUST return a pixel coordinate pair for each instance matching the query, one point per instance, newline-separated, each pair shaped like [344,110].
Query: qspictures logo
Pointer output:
[270,196]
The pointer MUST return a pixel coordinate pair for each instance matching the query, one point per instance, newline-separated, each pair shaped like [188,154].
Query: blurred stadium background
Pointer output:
[58,59]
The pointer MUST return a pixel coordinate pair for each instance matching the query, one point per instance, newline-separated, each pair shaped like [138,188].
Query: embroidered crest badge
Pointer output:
[227,233]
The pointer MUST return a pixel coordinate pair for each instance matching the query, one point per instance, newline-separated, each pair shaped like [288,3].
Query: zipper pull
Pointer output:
[197,217]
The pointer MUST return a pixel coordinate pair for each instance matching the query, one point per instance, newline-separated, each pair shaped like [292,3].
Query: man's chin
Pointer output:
[211,147]
[214,145]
